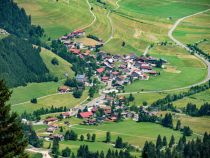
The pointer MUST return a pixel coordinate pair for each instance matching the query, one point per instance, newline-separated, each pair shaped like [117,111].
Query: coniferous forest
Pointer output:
[20,61]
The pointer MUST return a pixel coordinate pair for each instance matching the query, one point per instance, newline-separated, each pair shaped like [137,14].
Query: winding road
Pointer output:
[179,43]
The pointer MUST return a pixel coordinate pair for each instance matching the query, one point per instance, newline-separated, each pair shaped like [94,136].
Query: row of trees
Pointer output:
[192,110]
[194,148]
[170,98]
[36,115]
[195,49]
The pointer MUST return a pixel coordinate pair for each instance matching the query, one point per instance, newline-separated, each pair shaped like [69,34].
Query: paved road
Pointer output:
[45,153]
[179,43]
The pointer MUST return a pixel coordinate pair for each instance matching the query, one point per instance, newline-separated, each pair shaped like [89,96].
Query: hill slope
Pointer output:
[59,70]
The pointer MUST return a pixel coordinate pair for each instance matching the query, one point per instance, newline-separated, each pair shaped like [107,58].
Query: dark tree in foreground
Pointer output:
[12,140]
[108,137]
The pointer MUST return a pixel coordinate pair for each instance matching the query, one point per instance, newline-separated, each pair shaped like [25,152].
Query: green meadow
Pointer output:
[63,68]
[57,17]
[33,90]
[56,100]
[198,99]
[131,131]
[194,29]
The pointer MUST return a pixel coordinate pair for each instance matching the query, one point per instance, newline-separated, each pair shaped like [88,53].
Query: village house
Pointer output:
[64,89]
[81,78]
[50,120]
[86,115]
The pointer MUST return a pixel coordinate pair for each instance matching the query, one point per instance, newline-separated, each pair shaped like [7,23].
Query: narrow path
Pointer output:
[45,153]
[146,51]
[110,21]
[94,17]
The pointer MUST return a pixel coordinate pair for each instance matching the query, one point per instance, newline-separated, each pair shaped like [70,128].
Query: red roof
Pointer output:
[66,114]
[145,67]
[86,114]
[100,70]
[75,51]
[115,73]
[51,119]
[78,31]
[104,78]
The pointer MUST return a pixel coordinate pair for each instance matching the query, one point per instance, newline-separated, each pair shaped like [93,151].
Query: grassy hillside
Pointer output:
[33,90]
[56,100]
[194,29]
[60,70]
[57,18]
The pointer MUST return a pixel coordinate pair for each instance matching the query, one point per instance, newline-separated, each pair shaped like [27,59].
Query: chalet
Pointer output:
[63,38]
[75,51]
[66,114]
[133,56]
[58,136]
[51,129]
[87,114]
[105,78]
[50,120]
[135,75]
[100,70]
[115,73]
[63,89]
[81,78]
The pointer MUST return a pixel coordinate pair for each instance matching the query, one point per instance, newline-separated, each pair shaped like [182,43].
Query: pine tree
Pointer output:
[172,141]
[164,141]
[102,155]
[55,146]
[66,152]
[93,138]
[159,142]
[119,143]
[178,125]
[12,140]
[108,137]
[88,136]
[82,138]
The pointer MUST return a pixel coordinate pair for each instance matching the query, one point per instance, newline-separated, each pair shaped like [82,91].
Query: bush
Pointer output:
[54,61]
[34,100]
[77,94]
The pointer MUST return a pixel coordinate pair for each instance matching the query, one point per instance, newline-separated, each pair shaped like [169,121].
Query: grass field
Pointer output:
[199,125]
[57,100]
[60,70]
[57,18]
[194,29]
[198,99]
[131,132]
[33,90]
[34,155]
